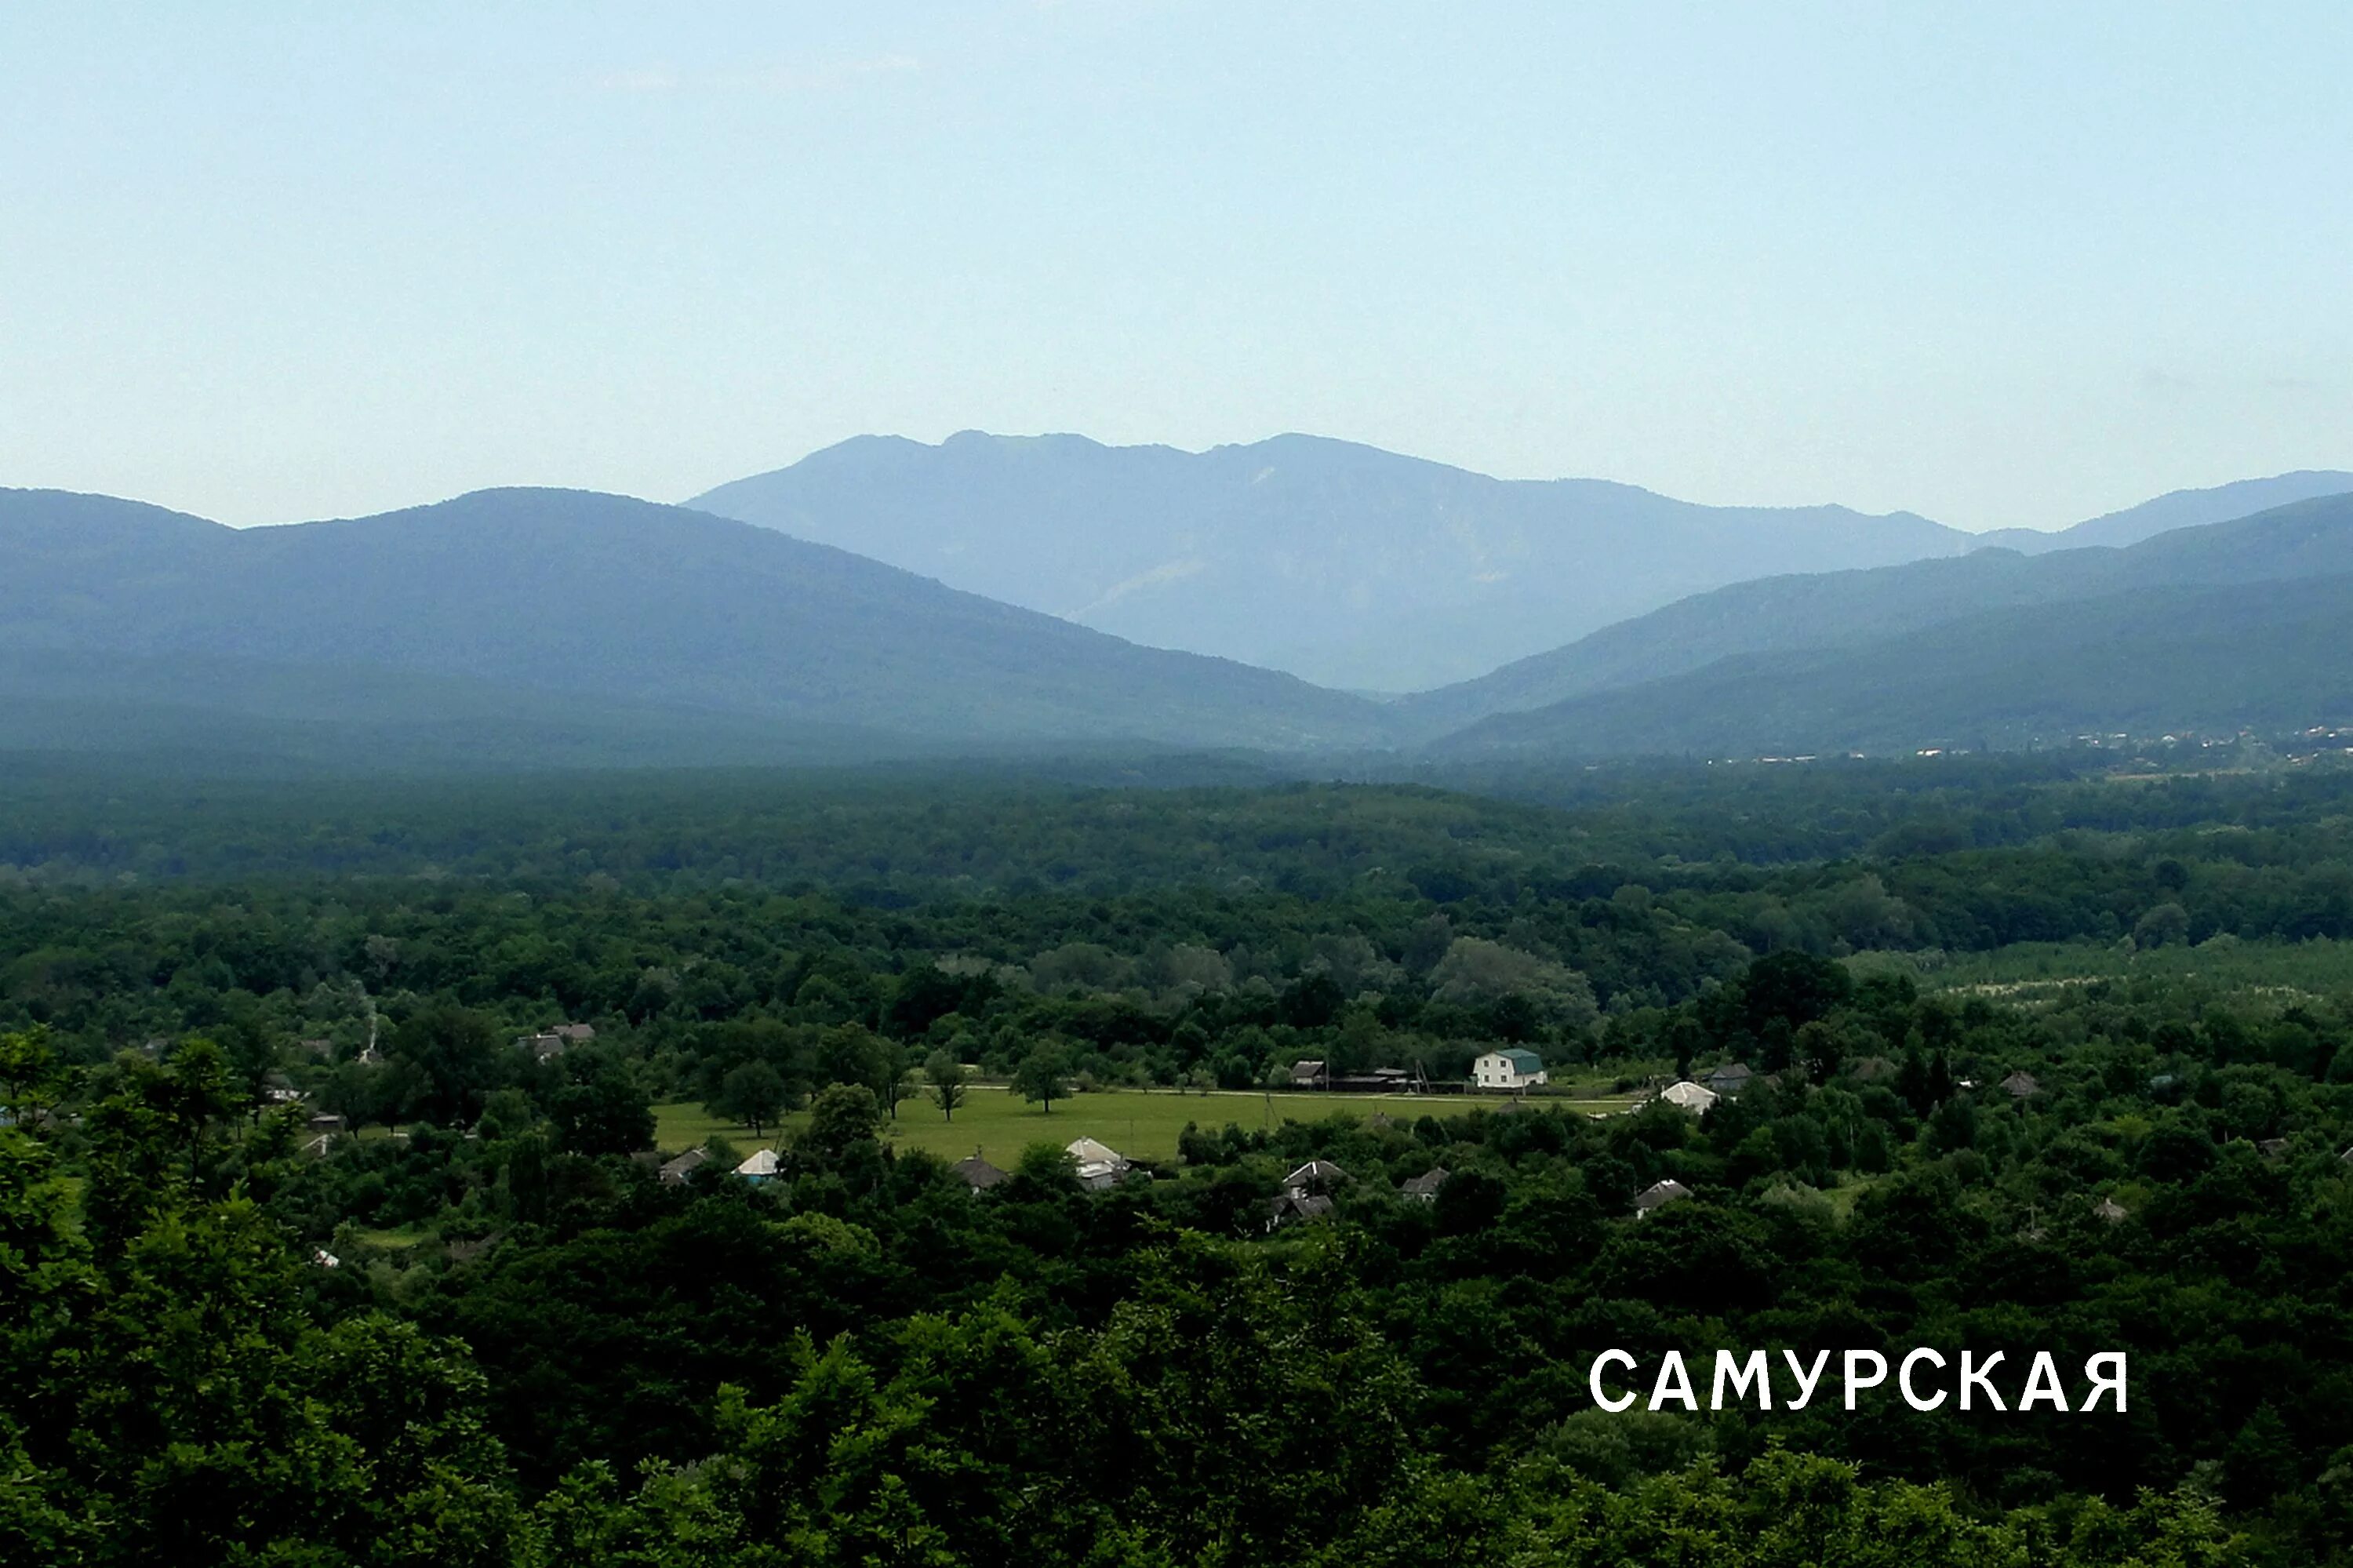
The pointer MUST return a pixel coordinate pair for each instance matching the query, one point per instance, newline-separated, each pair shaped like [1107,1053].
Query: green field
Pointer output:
[1140,1123]
[2222,970]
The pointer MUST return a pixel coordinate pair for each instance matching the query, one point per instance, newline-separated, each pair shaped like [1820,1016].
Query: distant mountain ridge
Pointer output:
[2179,509]
[1343,564]
[2230,624]
[1824,610]
[598,612]
[536,628]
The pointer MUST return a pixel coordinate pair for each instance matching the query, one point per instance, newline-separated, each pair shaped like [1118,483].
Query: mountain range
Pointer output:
[1342,564]
[2212,628]
[565,628]
[1345,565]
[1819,611]
[638,627]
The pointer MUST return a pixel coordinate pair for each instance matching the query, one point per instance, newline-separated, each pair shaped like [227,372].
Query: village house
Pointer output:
[1307,1193]
[1510,1069]
[760,1166]
[1100,1165]
[1315,1176]
[1291,1208]
[674,1173]
[1423,1189]
[1728,1079]
[1658,1194]
[1688,1095]
[1307,1075]
[555,1042]
[2020,1085]
[977,1173]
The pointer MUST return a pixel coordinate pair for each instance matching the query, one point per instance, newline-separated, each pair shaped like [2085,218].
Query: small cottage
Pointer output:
[1423,1189]
[1292,1207]
[1658,1195]
[977,1173]
[1100,1165]
[1315,1176]
[2020,1084]
[1688,1095]
[761,1167]
[1729,1079]
[1509,1069]
[1308,1075]
[674,1173]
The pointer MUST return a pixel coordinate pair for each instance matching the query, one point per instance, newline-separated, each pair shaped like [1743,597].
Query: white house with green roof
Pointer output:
[1513,1069]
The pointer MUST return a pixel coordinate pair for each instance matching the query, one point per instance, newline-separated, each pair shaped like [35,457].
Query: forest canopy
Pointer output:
[339,1222]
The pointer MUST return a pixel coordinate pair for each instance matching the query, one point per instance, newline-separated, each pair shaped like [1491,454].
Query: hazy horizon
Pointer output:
[400,504]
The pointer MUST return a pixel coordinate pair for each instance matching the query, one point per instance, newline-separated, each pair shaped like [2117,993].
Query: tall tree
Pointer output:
[1043,1076]
[753,1094]
[946,1077]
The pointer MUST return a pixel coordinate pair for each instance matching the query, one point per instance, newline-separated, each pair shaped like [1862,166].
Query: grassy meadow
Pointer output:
[1142,1124]
[2222,970]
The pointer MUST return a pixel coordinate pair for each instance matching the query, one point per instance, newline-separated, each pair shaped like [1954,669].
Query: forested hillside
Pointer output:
[470,1323]
[2266,658]
[1762,622]
[538,626]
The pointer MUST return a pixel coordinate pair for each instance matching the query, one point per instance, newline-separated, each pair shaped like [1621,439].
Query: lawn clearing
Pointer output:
[2223,969]
[1140,1123]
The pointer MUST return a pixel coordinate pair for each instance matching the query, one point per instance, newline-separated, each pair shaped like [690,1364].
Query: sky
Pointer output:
[1999,264]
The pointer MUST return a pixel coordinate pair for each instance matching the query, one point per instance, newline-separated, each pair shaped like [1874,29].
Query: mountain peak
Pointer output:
[1344,564]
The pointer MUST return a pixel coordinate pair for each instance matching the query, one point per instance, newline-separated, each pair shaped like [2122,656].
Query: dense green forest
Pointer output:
[470,1323]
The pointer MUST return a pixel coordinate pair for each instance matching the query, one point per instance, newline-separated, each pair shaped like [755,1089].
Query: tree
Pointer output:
[607,1115]
[2165,924]
[454,1051]
[28,1074]
[1797,988]
[842,1118]
[753,1094]
[946,1077]
[1043,1075]
[852,1054]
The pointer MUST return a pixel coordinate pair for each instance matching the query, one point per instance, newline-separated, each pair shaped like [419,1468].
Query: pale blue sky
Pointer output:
[1997,264]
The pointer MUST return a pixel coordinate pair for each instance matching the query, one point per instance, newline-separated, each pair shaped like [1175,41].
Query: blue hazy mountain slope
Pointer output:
[1343,564]
[2268,656]
[571,606]
[1785,614]
[2181,509]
